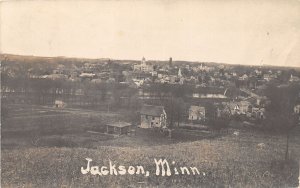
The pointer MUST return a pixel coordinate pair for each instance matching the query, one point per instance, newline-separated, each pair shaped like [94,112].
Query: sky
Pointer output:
[249,32]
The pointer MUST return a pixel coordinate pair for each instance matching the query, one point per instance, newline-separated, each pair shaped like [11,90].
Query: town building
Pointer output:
[144,67]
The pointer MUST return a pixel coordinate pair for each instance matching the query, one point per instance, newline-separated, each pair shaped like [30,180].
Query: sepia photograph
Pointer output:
[150,93]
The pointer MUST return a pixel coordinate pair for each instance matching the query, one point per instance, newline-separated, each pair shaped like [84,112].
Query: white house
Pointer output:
[297,109]
[244,106]
[196,113]
[59,104]
[297,112]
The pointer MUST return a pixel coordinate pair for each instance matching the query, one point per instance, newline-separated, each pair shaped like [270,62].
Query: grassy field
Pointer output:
[46,147]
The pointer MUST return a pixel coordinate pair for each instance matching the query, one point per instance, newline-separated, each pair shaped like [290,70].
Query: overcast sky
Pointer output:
[241,32]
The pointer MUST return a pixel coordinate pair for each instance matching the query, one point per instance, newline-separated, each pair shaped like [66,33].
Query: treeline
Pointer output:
[45,92]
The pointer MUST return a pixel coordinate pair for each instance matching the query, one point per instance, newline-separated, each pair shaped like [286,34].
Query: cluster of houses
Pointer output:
[137,74]
[242,108]
[155,116]
[201,75]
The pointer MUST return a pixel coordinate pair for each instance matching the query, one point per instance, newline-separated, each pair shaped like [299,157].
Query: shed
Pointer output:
[118,128]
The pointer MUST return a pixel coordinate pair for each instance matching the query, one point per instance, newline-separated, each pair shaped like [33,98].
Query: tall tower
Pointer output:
[143,62]
[170,61]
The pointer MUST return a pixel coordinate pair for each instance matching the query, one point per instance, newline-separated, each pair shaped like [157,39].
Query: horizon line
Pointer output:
[103,58]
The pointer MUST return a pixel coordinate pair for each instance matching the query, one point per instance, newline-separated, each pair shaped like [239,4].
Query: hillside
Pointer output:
[230,161]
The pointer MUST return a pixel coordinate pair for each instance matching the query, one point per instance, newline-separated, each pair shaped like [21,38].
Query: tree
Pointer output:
[179,110]
[280,114]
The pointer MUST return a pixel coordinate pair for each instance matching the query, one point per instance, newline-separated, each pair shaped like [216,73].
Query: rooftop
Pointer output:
[152,110]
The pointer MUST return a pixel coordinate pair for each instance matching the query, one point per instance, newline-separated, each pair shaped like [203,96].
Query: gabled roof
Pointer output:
[152,110]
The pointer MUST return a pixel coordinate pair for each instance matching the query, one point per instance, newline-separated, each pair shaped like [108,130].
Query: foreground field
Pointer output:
[220,162]
[246,159]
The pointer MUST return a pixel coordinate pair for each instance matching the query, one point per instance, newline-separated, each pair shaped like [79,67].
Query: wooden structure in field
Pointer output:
[118,128]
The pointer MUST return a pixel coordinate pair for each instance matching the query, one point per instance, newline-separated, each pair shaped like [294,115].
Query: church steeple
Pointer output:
[179,73]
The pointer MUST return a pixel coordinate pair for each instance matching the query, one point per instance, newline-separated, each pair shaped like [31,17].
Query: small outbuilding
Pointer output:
[118,128]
